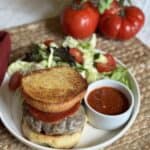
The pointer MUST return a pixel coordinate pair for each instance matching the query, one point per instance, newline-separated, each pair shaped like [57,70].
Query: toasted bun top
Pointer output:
[54,85]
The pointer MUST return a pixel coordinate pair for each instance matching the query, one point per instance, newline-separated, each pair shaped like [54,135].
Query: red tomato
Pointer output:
[74,52]
[15,81]
[52,117]
[122,25]
[106,67]
[113,9]
[80,23]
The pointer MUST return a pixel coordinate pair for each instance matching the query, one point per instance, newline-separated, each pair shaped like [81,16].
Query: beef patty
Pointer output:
[68,125]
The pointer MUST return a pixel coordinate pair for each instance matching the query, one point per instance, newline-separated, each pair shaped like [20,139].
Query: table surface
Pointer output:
[133,53]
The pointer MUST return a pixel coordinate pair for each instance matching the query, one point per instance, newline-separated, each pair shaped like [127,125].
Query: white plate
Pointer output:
[11,114]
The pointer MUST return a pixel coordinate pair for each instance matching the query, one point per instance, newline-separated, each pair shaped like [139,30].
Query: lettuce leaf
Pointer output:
[121,74]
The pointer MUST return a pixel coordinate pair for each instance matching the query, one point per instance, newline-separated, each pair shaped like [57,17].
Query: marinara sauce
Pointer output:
[108,100]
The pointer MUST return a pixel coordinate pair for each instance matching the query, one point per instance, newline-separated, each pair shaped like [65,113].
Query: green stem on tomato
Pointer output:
[122,13]
[121,2]
[129,2]
[103,5]
[83,1]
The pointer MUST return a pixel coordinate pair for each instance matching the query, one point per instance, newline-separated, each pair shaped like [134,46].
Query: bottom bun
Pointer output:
[57,141]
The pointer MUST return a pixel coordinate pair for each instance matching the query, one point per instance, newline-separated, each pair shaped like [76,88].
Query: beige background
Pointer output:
[18,12]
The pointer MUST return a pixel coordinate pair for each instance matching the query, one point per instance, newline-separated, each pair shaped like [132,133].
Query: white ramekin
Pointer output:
[103,121]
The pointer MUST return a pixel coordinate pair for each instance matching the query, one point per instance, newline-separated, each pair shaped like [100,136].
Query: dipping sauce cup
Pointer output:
[103,120]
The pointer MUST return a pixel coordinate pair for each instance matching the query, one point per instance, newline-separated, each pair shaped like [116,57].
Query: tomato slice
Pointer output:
[52,117]
[15,81]
[78,56]
[47,42]
[106,67]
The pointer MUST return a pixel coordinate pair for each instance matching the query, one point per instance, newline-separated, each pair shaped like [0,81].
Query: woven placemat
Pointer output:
[133,53]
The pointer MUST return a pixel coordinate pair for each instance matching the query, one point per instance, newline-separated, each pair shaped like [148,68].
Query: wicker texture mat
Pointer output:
[133,53]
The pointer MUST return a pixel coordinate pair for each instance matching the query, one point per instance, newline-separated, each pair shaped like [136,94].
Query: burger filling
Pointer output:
[68,125]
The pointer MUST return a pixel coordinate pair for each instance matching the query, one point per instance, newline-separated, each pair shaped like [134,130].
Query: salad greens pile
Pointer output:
[42,56]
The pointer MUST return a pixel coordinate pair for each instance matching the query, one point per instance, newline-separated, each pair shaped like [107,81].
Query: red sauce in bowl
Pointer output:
[108,100]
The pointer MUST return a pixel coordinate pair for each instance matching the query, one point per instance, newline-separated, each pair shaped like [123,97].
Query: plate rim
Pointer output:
[103,144]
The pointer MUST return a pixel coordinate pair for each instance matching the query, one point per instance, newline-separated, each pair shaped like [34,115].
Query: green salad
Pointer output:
[82,55]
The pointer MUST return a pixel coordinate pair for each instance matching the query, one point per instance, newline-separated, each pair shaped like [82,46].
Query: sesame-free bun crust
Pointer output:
[53,90]
[59,141]
[54,85]
[55,108]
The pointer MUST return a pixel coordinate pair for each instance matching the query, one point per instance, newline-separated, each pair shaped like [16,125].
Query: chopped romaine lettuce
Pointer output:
[41,46]
[61,54]
[88,60]
[70,42]
[81,70]
[54,45]
[101,59]
[44,57]
[83,45]
[87,47]
[38,53]
[88,72]
[90,56]
[92,41]
[42,51]
[50,58]
[121,74]
[92,75]
[25,67]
